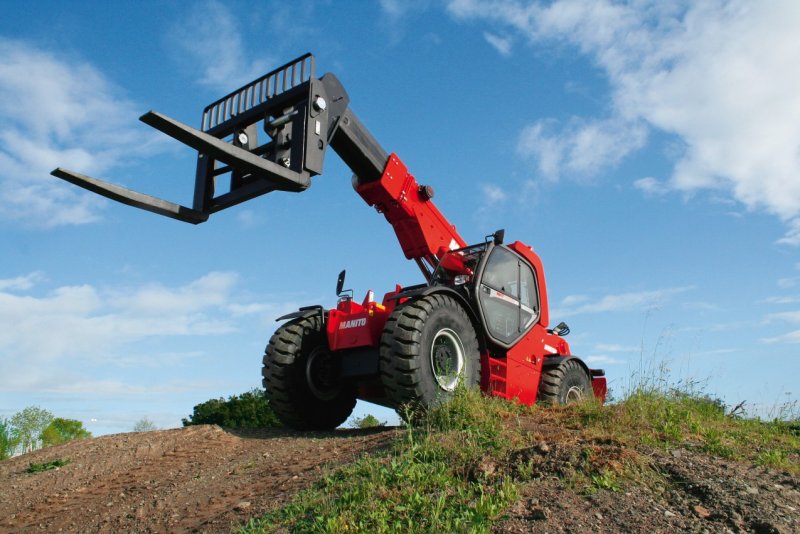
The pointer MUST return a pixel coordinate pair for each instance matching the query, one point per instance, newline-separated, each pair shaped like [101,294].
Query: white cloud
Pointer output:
[71,325]
[638,300]
[210,38]
[781,300]
[58,111]
[399,8]
[720,76]
[651,187]
[792,236]
[501,44]
[788,338]
[789,317]
[579,148]
[493,194]
[20,283]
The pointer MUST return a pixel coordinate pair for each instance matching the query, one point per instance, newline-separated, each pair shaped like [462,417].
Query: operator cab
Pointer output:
[498,283]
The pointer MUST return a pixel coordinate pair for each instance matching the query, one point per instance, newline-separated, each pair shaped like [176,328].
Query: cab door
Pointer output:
[508,297]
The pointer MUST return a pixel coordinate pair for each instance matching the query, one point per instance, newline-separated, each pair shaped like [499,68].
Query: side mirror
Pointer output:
[340,283]
[561,329]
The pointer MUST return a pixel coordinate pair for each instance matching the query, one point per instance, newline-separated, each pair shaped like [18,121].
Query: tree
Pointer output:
[6,443]
[144,425]
[248,410]
[62,430]
[27,427]
[368,421]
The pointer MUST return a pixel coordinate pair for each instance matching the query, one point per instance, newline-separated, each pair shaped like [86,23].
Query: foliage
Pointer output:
[28,425]
[248,410]
[46,466]
[144,425]
[368,421]
[62,430]
[6,441]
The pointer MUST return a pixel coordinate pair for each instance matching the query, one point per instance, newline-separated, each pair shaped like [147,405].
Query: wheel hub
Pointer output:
[447,359]
[322,374]
[574,394]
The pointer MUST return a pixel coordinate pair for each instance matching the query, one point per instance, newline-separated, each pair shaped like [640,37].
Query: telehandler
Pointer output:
[480,319]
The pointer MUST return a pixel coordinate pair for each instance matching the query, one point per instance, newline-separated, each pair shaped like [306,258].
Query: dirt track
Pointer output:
[196,478]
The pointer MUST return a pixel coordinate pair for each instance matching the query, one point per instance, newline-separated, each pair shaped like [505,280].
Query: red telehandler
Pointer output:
[480,319]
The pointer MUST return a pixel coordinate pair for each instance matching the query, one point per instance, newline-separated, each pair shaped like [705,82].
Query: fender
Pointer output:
[417,292]
[305,311]
[557,359]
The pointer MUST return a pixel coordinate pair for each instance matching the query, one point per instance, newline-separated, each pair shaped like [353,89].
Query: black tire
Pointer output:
[564,384]
[428,348]
[301,377]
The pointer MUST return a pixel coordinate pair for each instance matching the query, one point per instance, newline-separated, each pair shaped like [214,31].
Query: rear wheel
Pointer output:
[565,384]
[428,348]
[302,377]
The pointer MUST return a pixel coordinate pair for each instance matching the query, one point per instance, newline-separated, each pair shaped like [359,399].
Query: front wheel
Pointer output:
[565,384]
[302,377]
[428,348]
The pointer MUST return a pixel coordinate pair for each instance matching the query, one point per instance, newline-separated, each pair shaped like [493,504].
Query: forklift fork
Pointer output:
[299,116]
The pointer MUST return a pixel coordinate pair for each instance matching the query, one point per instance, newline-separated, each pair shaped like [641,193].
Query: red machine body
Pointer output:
[425,236]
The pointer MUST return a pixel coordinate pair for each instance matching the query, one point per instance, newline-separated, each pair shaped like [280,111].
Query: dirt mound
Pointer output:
[196,478]
[207,479]
[686,491]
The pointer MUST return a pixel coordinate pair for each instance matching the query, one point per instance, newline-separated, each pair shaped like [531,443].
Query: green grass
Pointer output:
[47,466]
[461,466]
[671,418]
[431,480]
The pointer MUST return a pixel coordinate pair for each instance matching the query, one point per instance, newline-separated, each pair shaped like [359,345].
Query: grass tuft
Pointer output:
[46,466]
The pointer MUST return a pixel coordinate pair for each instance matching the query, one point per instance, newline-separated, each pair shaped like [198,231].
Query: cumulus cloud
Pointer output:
[581,147]
[211,40]
[55,330]
[58,111]
[20,283]
[720,76]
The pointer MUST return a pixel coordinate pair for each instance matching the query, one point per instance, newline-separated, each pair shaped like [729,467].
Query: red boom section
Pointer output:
[423,232]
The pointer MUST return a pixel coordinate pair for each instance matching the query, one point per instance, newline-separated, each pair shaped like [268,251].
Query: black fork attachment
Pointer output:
[298,116]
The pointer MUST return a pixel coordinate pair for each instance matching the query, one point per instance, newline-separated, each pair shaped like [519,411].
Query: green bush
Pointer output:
[47,466]
[368,421]
[248,410]
[62,430]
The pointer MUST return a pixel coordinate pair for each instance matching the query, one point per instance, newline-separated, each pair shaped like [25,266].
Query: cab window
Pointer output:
[508,296]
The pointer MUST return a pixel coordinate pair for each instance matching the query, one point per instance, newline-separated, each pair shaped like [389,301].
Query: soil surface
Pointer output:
[678,490]
[207,479]
[199,478]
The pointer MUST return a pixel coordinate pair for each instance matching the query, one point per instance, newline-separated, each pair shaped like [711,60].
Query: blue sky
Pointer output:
[649,152]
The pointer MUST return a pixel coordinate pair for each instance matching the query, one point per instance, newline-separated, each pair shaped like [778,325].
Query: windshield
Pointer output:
[469,256]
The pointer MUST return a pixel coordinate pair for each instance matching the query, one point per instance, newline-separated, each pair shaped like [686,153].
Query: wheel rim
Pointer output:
[447,359]
[322,374]
[574,394]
